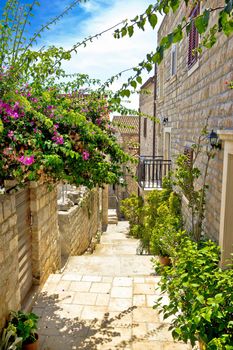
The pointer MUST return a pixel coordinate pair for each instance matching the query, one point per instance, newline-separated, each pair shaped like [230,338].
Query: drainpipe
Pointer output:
[154,109]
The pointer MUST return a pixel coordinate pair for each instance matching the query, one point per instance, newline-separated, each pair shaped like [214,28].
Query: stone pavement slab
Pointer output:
[104,301]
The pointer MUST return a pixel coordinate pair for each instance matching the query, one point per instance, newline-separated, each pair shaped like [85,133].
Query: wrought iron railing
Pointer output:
[151,171]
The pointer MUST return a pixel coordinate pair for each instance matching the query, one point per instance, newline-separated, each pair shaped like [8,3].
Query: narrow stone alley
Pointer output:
[104,301]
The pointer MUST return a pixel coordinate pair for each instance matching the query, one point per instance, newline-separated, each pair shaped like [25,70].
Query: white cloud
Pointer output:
[106,56]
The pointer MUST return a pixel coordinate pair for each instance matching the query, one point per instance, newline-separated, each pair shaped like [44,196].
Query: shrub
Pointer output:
[200,295]
[154,221]
[132,208]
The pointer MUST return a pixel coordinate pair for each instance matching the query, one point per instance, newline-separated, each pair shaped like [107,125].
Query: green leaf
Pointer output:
[225,23]
[202,21]
[153,19]
[177,34]
[207,315]
[133,83]
[200,298]
[175,5]
[123,32]
[139,79]
[130,31]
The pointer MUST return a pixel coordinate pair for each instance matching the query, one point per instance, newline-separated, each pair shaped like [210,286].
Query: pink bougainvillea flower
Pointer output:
[15,115]
[98,121]
[86,155]
[10,134]
[58,139]
[27,160]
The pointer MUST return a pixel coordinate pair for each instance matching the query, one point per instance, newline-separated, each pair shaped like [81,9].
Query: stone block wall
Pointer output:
[146,103]
[46,252]
[192,95]
[46,247]
[9,285]
[79,224]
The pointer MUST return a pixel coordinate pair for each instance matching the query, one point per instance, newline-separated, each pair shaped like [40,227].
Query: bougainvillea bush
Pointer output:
[50,135]
[53,126]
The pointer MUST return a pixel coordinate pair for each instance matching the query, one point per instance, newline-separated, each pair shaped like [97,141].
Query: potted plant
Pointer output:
[9,339]
[165,237]
[26,326]
[159,245]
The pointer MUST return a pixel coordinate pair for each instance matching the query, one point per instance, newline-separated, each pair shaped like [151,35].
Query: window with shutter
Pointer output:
[193,38]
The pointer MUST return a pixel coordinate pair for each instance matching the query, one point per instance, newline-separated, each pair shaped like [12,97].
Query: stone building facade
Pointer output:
[147,126]
[189,92]
[127,133]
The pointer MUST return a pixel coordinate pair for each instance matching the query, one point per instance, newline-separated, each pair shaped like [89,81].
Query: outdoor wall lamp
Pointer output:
[165,121]
[214,140]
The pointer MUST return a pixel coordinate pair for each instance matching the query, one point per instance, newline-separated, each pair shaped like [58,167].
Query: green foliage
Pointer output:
[132,208]
[222,23]
[200,295]
[165,230]
[9,339]
[192,181]
[156,221]
[25,324]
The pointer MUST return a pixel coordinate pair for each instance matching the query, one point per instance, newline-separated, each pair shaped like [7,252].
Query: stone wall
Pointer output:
[192,95]
[9,285]
[45,244]
[46,247]
[146,104]
[79,224]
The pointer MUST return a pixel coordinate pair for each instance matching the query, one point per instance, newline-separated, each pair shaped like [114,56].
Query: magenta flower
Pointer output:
[10,134]
[58,139]
[27,160]
[86,155]
[15,115]
[98,121]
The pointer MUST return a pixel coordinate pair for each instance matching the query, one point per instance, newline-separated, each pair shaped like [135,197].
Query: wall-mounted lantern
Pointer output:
[165,121]
[214,140]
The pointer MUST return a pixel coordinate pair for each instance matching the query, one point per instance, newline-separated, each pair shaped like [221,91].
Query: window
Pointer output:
[173,60]
[193,38]
[145,127]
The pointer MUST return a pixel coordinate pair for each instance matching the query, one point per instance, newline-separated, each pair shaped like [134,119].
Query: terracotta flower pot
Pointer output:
[201,345]
[32,346]
[164,260]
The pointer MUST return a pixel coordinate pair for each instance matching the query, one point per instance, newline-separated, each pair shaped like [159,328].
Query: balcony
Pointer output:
[151,171]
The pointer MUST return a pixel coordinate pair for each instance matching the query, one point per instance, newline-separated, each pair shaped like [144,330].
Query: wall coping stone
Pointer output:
[225,135]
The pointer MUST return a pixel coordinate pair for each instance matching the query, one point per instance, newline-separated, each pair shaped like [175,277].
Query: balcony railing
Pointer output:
[152,170]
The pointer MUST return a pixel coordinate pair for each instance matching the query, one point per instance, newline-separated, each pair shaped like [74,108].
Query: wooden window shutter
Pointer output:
[188,152]
[193,37]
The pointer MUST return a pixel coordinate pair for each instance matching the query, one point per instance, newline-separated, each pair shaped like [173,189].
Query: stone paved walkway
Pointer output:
[104,301]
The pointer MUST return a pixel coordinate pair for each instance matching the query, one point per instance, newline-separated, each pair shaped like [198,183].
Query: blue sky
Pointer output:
[105,56]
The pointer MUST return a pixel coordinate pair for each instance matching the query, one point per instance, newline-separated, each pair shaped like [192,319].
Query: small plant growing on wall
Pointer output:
[193,182]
